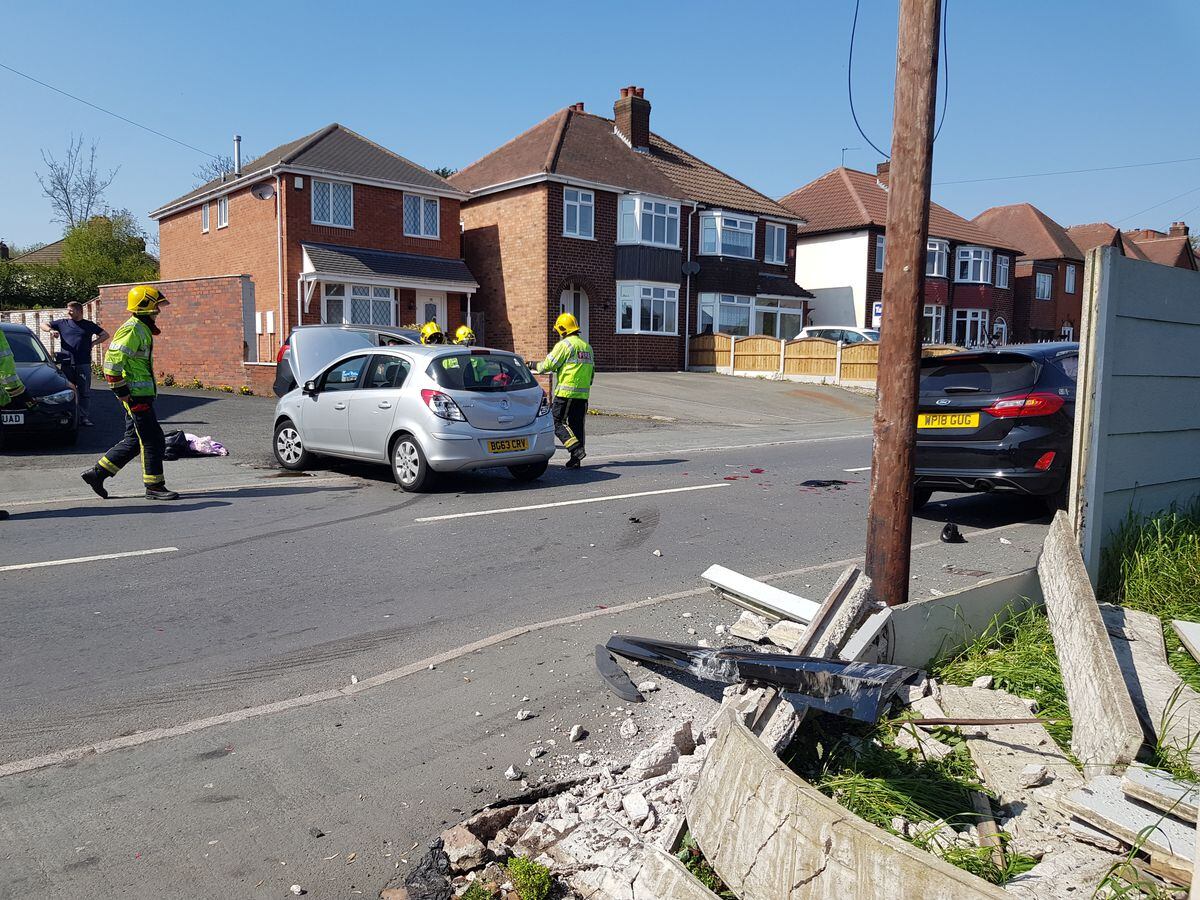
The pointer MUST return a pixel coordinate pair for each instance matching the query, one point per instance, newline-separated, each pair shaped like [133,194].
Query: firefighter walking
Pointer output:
[572,363]
[12,389]
[129,371]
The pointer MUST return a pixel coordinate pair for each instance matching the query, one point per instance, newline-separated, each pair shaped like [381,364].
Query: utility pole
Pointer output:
[889,522]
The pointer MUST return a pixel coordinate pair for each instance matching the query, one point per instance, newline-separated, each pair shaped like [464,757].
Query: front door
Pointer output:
[431,307]
[325,417]
[574,300]
[971,327]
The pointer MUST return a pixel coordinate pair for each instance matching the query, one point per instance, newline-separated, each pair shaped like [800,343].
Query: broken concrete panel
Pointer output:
[921,631]
[1102,805]
[1105,734]
[843,610]
[812,643]
[764,599]
[750,627]
[770,834]
[1002,752]
[1066,872]
[909,737]
[1169,710]
[466,851]
[663,876]
[1161,790]
[786,634]
[1189,635]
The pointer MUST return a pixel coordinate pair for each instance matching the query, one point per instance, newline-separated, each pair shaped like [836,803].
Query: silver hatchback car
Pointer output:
[421,409]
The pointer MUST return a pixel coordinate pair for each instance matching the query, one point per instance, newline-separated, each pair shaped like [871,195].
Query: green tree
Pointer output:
[444,171]
[106,250]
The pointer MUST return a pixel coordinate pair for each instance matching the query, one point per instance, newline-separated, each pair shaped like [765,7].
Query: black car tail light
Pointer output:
[1037,403]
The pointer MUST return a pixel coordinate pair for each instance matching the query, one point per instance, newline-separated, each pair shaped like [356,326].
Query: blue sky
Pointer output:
[758,89]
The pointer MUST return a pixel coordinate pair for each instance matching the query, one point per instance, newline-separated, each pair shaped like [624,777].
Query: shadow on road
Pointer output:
[638,463]
[155,507]
[250,492]
[983,510]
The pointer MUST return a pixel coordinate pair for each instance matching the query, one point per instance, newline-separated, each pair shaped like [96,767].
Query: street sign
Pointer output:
[877,312]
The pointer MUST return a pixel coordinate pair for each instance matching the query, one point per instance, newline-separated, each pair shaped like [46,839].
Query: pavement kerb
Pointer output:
[18,767]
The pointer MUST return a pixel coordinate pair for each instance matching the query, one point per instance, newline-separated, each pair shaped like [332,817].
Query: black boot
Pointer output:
[577,456]
[3,514]
[160,492]
[95,480]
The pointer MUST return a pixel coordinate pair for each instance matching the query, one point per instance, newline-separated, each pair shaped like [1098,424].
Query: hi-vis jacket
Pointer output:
[129,360]
[10,382]
[572,362]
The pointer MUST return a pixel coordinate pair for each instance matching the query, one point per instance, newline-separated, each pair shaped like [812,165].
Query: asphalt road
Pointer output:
[292,587]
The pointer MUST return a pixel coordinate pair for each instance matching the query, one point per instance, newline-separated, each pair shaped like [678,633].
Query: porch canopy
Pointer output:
[373,276]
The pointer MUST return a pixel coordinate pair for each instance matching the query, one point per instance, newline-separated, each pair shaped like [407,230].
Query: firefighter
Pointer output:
[12,389]
[464,336]
[129,371]
[431,333]
[572,362]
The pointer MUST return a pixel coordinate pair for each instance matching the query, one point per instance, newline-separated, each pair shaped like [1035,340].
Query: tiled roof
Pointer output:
[770,284]
[580,145]
[1101,234]
[355,262]
[1026,226]
[47,255]
[1168,251]
[335,150]
[844,199]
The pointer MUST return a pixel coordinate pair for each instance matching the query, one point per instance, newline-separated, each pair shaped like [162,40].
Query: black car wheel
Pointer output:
[920,497]
[68,438]
[529,471]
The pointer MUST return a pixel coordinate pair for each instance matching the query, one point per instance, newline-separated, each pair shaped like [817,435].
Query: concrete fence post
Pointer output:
[732,349]
[782,351]
[837,366]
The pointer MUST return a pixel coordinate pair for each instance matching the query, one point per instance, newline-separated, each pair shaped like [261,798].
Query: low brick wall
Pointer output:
[203,331]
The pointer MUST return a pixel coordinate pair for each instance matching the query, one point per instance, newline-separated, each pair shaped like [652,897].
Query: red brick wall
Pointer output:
[1068,307]
[202,332]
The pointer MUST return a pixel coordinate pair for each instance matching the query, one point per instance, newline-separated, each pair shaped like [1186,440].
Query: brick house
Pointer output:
[840,253]
[1167,248]
[642,241]
[1049,274]
[1101,234]
[330,227]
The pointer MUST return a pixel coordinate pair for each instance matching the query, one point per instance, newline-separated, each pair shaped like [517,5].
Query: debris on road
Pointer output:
[757,597]
[524,714]
[648,687]
[512,773]
[578,733]
[951,534]
[750,627]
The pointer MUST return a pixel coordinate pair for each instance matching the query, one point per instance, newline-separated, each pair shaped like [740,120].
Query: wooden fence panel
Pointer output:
[756,354]
[810,356]
[939,349]
[860,362]
[709,350]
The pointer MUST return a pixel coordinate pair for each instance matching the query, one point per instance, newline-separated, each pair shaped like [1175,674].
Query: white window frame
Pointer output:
[421,233]
[583,200]
[635,294]
[980,257]
[1070,283]
[223,212]
[880,251]
[348,297]
[204,218]
[1003,267]
[937,313]
[719,222]
[776,240]
[941,251]
[313,203]
[967,316]
[631,210]
[1043,286]
[1067,333]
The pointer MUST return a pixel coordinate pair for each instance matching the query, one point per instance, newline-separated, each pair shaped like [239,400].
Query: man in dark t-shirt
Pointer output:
[78,336]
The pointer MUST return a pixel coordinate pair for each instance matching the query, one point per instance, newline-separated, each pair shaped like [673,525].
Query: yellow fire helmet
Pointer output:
[145,299]
[566,324]
[431,333]
[464,335]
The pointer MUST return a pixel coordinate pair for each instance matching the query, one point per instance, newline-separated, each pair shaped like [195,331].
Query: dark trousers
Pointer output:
[144,436]
[570,414]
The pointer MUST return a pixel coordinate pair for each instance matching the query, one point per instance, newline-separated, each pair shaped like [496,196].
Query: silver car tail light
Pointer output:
[442,405]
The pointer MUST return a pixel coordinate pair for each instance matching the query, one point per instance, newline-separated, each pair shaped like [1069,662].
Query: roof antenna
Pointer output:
[844,149]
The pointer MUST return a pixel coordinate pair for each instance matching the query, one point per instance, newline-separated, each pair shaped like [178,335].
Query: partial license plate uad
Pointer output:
[508,445]
[948,420]
[12,418]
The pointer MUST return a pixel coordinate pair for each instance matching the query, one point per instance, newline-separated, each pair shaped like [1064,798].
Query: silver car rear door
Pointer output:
[373,406]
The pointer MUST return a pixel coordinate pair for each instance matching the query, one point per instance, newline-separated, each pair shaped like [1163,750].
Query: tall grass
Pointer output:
[1154,565]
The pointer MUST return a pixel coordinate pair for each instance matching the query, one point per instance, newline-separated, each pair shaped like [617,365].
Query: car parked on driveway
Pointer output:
[847,334]
[997,420]
[56,414]
[422,410]
[308,347]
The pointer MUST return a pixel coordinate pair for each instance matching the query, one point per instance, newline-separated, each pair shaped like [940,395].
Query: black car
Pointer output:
[56,414]
[997,420]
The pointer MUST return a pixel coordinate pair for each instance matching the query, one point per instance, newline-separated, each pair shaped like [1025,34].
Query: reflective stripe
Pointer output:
[141,384]
[11,378]
[108,465]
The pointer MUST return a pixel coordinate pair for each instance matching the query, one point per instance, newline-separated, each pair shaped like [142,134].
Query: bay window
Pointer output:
[937,254]
[933,324]
[332,203]
[726,235]
[1043,286]
[647,308]
[743,315]
[579,213]
[1002,266]
[647,220]
[357,304]
[776,250]
[421,216]
[974,265]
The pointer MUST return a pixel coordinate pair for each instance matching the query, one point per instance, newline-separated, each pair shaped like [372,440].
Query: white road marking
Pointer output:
[859,469]
[274,484]
[20,766]
[513,509]
[83,559]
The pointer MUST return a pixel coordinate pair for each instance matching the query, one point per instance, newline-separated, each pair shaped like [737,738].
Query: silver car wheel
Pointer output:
[289,446]
[408,462]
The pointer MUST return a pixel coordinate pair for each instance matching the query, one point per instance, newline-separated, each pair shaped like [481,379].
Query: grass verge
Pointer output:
[692,857]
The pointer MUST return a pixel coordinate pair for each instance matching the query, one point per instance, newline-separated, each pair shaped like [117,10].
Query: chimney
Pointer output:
[237,155]
[577,107]
[881,172]
[1179,229]
[631,114]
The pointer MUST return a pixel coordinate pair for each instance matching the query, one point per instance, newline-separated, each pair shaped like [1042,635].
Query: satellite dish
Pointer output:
[264,191]
[691,267]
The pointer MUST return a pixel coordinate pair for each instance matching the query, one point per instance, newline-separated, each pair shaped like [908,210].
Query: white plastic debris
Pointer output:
[297,890]
[1005,541]
[658,553]
[354,679]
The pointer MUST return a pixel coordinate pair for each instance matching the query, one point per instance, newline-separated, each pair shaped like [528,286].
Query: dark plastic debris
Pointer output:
[857,690]
[951,534]
[615,677]
[824,483]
